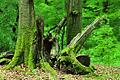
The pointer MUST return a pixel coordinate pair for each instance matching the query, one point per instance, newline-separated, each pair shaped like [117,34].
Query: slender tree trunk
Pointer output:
[24,47]
[74,21]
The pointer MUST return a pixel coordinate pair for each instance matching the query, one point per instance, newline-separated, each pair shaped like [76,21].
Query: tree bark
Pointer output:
[39,48]
[24,47]
[74,18]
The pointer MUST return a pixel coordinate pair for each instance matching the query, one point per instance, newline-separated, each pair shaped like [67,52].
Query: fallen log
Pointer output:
[7,54]
[81,37]
[68,56]
[5,57]
[4,61]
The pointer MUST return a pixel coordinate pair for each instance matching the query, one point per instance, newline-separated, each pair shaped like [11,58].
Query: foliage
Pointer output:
[8,15]
[52,13]
[103,46]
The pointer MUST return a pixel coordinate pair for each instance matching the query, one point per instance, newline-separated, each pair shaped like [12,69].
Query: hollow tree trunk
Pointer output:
[74,10]
[24,47]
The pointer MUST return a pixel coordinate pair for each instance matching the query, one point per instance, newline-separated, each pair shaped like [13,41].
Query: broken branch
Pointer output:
[81,37]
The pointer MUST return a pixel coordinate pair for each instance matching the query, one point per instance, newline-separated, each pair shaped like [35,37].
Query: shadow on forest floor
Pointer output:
[102,73]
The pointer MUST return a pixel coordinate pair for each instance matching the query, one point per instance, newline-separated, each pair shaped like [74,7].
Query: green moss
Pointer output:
[31,63]
[47,68]
[5,60]
[17,54]
[72,64]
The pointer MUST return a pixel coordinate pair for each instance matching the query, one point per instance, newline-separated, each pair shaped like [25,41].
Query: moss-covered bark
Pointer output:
[68,54]
[71,64]
[24,47]
[74,11]
[67,62]
[4,61]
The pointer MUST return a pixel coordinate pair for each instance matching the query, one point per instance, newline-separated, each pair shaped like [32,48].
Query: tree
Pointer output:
[74,20]
[24,51]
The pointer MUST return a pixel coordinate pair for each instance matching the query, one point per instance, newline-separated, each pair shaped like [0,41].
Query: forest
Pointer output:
[59,40]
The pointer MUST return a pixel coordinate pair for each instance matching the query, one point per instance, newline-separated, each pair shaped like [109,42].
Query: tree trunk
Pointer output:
[74,20]
[39,48]
[24,51]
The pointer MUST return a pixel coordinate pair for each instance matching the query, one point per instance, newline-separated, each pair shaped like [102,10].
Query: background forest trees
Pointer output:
[74,18]
[102,45]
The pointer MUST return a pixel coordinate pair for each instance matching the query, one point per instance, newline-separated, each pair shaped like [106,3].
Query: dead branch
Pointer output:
[59,25]
[80,38]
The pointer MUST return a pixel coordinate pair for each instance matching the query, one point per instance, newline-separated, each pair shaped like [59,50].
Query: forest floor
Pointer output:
[18,73]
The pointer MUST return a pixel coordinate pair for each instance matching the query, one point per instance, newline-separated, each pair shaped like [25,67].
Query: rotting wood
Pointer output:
[80,38]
